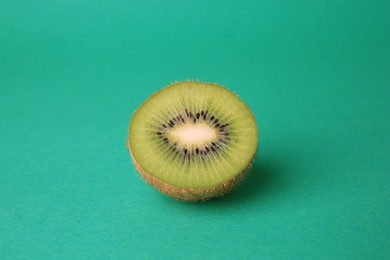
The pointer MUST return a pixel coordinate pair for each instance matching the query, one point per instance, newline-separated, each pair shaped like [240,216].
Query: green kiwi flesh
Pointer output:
[193,141]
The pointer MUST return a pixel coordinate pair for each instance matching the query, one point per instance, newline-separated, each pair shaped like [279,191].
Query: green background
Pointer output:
[315,73]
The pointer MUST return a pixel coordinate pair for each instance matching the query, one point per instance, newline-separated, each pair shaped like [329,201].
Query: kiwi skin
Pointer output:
[190,194]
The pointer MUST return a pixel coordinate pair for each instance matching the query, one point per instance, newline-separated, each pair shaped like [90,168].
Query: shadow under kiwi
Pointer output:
[267,178]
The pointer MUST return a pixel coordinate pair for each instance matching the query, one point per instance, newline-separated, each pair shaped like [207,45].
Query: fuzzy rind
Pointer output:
[192,194]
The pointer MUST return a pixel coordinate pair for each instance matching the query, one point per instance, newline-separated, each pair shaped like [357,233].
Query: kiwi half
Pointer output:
[193,141]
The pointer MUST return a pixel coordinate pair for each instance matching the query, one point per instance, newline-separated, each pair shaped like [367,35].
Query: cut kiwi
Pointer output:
[193,141]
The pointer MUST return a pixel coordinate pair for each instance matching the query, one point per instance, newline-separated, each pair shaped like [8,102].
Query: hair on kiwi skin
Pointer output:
[190,194]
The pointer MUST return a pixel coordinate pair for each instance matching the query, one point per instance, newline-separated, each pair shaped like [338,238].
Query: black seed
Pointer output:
[202,113]
[194,120]
[207,149]
[185,151]
[216,125]
[191,115]
[212,148]
[197,151]
[204,117]
[211,118]
[216,121]
[159,133]
[164,126]
[197,115]
[171,122]
[212,144]
[165,140]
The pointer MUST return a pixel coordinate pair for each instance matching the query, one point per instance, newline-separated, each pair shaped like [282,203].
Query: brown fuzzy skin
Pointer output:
[192,194]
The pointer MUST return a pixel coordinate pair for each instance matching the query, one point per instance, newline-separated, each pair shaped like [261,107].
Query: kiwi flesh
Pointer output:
[193,141]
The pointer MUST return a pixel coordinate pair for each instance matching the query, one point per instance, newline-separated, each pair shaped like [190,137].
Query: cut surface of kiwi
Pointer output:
[193,141]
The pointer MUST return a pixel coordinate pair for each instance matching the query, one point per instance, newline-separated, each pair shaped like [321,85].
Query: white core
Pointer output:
[191,134]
